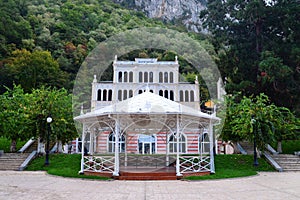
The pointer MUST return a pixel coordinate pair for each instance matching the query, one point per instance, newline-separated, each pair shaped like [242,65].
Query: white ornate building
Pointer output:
[146,111]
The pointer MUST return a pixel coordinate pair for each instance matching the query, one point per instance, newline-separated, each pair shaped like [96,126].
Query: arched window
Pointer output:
[109,95]
[151,77]
[171,77]
[140,77]
[124,94]
[104,95]
[120,95]
[173,143]
[111,143]
[130,77]
[120,77]
[125,77]
[181,96]
[166,77]
[192,96]
[161,93]
[99,95]
[204,144]
[130,94]
[166,94]
[172,95]
[145,77]
[140,91]
[151,91]
[186,96]
[160,77]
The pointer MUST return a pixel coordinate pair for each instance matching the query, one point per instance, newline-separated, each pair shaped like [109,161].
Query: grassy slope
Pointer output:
[227,166]
[67,165]
[231,166]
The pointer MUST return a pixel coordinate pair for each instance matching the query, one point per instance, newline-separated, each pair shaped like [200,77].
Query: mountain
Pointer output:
[176,11]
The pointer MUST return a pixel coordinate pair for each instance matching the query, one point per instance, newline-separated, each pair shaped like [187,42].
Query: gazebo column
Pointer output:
[82,148]
[211,148]
[177,146]
[167,152]
[125,161]
[116,167]
[91,149]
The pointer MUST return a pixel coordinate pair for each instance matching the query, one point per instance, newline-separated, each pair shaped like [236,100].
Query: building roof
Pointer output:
[146,103]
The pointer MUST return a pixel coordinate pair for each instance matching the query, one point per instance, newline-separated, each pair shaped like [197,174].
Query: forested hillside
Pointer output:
[43,42]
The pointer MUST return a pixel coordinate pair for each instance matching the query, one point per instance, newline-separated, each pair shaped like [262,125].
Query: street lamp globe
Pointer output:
[49,119]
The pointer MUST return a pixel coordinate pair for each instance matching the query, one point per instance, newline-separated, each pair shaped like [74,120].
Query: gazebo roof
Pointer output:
[146,103]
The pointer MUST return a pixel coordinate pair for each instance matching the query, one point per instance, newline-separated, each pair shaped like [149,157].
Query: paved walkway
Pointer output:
[38,185]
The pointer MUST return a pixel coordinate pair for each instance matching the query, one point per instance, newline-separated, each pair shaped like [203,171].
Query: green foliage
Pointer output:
[67,29]
[247,118]
[257,43]
[232,166]
[23,115]
[6,143]
[58,104]
[32,70]
[66,165]
[290,146]
[14,114]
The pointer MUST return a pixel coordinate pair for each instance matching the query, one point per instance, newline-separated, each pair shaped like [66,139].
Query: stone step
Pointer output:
[147,176]
[288,162]
[12,161]
[248,147]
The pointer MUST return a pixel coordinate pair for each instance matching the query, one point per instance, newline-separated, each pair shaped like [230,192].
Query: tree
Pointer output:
[23,115]
[272,123]
[58,104]
[32,70]
[15,115]
[243,32]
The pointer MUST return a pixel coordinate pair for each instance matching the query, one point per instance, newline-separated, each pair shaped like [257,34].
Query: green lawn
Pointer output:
[237,165]
[227,166]
[67,165]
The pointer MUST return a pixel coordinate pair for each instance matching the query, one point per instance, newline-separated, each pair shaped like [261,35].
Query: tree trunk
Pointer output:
[236,149]
[41,147]
[13,145]
[279,146]
[59,147]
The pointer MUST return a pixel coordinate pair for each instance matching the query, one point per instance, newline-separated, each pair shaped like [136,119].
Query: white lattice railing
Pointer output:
[190,164]
[99,163]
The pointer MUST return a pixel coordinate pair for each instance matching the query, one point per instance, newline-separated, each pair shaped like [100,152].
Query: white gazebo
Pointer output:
[147,126]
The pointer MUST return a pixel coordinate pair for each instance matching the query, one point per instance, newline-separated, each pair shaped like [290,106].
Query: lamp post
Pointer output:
[49,120]
[255,162]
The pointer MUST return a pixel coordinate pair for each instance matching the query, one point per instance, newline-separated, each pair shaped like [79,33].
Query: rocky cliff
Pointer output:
[184,11]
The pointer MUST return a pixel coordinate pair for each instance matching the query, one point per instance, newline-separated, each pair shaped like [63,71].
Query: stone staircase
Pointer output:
[167,173]
[12,161]
[288,162]
[32,147]
[248,147]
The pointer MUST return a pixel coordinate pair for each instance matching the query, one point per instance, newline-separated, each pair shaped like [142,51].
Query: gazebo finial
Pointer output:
[95,78]
[81,110]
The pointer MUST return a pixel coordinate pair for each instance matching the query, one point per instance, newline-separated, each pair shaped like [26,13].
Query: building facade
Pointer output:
[146,110]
